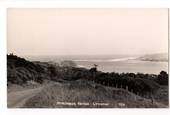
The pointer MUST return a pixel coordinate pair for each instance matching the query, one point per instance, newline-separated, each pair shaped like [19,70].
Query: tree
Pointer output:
[52,71]
[163,78]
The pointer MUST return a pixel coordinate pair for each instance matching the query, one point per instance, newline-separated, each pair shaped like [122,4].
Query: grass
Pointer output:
[74,93]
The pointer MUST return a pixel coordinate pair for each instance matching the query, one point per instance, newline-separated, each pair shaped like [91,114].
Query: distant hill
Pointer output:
[155,57]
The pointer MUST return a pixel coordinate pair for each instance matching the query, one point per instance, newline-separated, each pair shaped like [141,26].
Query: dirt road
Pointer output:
[17,99]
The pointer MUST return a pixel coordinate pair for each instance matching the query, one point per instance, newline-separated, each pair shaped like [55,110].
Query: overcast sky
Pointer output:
[87,31]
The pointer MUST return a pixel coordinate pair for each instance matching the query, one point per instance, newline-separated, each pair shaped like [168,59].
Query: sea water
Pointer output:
[109,63]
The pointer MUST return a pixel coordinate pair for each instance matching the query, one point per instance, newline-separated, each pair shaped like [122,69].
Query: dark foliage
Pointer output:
[19,70]
[15,61]
[162,78]
[52,71]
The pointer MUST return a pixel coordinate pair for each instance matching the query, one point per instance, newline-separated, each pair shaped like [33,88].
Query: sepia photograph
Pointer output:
[87,58]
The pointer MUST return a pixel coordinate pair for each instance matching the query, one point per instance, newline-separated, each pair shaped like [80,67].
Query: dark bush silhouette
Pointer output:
[52,71]
[162,78]
[94,69]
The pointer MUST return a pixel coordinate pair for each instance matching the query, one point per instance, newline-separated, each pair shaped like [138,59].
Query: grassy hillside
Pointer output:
[80,91]
[19,70]
[73,84]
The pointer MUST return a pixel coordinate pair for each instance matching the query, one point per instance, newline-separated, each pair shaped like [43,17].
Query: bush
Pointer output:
[162,78]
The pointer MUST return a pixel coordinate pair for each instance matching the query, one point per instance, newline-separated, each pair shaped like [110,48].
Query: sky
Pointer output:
[87,31]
